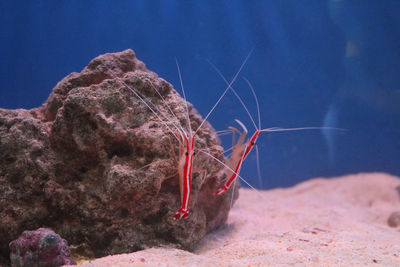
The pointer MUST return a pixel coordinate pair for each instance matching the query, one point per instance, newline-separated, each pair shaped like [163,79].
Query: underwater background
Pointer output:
[314,63]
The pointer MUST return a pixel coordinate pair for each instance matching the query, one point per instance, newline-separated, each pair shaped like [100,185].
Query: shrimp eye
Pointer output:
[187,154]
[253,143]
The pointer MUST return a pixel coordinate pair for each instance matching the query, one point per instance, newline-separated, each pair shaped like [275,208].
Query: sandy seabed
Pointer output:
[321,222]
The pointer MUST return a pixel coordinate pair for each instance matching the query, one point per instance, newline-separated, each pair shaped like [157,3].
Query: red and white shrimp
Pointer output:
[185,165]
[241,150]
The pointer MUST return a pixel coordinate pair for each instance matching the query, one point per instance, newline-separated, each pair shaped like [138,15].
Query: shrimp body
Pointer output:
[239,154]
[185,167]
[185,164]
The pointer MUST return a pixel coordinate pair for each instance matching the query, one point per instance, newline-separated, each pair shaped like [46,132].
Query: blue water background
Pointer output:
[314,63]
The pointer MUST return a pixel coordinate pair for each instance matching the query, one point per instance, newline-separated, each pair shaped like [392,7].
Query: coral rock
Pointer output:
[98,167]
[42,248]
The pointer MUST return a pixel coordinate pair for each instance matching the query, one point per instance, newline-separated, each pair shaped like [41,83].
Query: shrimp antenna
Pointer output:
[138,95]
[226,90]
[256,99]
[184,96]
[234,92]
[277,129]
[168,107]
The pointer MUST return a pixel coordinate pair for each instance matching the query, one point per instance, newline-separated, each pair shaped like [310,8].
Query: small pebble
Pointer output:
[394,219]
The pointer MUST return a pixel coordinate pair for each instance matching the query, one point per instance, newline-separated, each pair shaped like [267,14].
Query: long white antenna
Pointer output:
[277,129]
[226,90]
[137,94]
[256,99]
[168,107]
[184,96]
[235,93]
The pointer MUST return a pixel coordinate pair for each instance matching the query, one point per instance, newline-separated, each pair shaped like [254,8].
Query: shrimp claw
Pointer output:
[221,190]
[181,214]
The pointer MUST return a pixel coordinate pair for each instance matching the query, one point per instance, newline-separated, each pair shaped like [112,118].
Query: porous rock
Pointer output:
[42,248]
[97,166]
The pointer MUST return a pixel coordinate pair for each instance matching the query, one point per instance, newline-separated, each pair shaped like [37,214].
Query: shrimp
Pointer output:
[237,153]
[185,165]
[240,150]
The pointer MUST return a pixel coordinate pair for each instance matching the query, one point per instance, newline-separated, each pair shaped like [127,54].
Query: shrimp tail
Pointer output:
[181,214]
